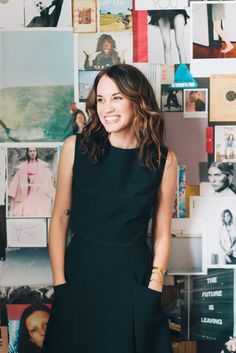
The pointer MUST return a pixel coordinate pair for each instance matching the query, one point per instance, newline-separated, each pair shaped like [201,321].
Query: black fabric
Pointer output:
[166,15]
[106,305]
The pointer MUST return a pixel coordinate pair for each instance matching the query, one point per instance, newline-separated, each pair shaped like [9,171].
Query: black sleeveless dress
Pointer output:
[106,305]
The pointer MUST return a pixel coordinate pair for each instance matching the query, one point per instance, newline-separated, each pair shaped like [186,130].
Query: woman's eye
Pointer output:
[117,98]
[99,100]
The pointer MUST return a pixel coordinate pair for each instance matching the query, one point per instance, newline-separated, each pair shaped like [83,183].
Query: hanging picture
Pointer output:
[84,16]
[115,15]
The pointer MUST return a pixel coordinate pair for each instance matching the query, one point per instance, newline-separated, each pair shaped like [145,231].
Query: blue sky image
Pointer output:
[115,6]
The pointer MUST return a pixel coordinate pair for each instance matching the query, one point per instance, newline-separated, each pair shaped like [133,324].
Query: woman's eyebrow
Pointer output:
[114,94]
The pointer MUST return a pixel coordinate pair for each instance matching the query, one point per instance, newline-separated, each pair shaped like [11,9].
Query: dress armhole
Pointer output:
[76,153]
[164,153]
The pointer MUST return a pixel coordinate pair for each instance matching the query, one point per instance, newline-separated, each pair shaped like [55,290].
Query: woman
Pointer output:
[33,323]
[229,146]
[31,190]
[167,20]
[227,238]
[107,295]
[220,176]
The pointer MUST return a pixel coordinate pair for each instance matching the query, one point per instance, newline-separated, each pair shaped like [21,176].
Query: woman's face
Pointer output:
[227,217]
[32,153]
[217,179]
[36,324]
[115,111]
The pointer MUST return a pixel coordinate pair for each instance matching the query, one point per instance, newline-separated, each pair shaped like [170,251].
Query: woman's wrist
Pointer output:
[158,274]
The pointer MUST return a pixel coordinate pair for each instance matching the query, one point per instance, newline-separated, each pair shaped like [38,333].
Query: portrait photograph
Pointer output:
[95,51]
[217,179]
[225,146]
[86,79]
[171,99]
[169,36]
[47,13]
[220,213]
[24,322]
[196,103]
[188,236]
[31,179]
[25,233]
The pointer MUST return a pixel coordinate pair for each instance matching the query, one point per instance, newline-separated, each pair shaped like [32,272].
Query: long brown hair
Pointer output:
[148,123]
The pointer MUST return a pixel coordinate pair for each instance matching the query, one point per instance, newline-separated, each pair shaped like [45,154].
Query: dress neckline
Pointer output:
[123,149]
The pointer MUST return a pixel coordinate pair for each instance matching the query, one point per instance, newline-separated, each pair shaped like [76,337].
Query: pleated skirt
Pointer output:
[106,305]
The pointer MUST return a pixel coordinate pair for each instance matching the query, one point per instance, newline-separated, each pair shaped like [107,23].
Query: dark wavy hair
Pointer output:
[27,153]
[104,37]
[148,122]
[24,343]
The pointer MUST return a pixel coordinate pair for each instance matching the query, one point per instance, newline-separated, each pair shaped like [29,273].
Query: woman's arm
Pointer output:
[162,218]
[60,215]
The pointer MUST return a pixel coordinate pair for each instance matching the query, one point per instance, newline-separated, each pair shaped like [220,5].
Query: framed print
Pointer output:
[196,103]
[84,16]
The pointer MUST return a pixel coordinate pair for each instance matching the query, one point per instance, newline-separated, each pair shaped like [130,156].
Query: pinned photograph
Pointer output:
[171,99]
[115,16]
[31,180]
[220,213]
[95,51]
[196,103]
[23,320]
[86,79]
[34,262]
[24,233]
[216,36]
[84,16]
[188,236]
[40,83]
[47,13]
[169,36]
[217,179]
[225,144]
[214,42]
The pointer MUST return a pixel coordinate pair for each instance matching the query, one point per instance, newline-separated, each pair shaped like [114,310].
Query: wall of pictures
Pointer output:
[51,51]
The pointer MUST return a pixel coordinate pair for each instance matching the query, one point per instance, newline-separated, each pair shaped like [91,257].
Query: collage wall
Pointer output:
[51,51]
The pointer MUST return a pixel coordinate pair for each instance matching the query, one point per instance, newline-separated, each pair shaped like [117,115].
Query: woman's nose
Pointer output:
[109,107]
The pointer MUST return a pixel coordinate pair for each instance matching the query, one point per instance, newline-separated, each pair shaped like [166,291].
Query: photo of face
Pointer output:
[218,179]
[115,111]
[36,324]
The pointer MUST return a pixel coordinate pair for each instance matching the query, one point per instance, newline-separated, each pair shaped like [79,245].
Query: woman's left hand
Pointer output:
[155,286]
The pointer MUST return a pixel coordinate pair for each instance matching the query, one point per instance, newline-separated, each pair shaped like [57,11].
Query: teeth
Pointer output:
[111,118]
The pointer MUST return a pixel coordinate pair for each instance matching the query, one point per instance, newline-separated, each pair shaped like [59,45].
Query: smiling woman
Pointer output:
[107,282]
